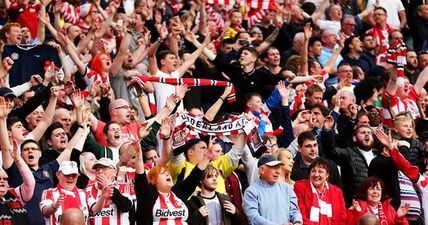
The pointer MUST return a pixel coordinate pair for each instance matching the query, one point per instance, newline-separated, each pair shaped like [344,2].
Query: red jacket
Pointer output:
[390,213]
[304,198]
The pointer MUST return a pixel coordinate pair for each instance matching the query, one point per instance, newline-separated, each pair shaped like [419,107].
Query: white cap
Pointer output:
[68,167]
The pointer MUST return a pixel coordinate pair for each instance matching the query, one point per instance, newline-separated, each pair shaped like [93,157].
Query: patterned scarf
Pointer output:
[381,214]
[138,82]
[72,198]
[321,209]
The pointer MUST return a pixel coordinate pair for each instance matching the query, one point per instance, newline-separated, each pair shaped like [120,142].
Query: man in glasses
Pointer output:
[119,204]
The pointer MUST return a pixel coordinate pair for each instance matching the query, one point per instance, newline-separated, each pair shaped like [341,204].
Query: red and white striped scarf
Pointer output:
[138,82]
[321,209]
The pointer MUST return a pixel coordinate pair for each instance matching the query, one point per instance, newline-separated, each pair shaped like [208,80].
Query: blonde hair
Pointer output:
[279,152]
[405,117]
[82,162]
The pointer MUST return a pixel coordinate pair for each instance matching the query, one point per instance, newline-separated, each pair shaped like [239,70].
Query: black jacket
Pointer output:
[196,218]
[147,194]
[352,163]
[301,172]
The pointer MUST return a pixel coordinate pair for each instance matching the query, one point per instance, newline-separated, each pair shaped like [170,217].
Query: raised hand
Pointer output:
[181,91]
[16,155]
[356,205]
[57,7]
[207,39]
[190,36]
[61,38]
[77,99]
[353,109]
[163,32]
[385,139]
[144,131]
[329,122]
[166,128]
[402,210]
[35,80]
[307,31]
[4,109]
[43,18]
[171,101]
[283,90]
[7,63]
[54,91]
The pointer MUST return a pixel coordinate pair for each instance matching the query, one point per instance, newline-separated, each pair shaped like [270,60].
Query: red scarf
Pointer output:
[381,214]
[321,209]
[140,80]
[72,198]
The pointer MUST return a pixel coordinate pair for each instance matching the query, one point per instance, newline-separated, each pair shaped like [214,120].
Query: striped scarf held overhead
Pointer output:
[137,83]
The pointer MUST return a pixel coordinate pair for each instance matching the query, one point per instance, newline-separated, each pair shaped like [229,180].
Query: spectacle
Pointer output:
[123,107]
[4,178]
[30,148]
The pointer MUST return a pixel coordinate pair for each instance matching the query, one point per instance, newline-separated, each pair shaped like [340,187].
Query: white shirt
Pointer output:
[392,7]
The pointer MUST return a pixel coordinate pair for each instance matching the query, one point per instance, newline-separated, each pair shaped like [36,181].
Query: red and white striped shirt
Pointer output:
[169,210]
[397,105]
[51,195]
[109,214]
[380,35]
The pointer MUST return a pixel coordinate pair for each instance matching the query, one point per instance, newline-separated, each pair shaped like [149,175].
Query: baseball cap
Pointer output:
[104,162]
[269,160]
[190,143]
[68,167]
[5,91]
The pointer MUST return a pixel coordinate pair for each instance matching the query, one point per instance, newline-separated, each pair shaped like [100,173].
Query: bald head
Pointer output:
[368,219]
[72,216]
[120,111]
[299,128]
[63,116]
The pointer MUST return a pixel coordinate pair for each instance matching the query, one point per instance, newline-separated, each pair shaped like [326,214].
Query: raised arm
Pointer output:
[41,25]
[151,52]
[191,38]
[4,139]
[304,55]
[123,51]
[422,80]
[141,53]
[67,45]
[165,132]
[329,66]
[268,41]
[202,18]
[80,134]
[319,11]
[40,129]
[391,87]
[213,110]
[28,181]
[192,58]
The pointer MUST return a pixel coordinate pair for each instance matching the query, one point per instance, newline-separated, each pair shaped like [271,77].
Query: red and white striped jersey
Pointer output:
[397,105]
[169,210]
[51,195]
[109,214]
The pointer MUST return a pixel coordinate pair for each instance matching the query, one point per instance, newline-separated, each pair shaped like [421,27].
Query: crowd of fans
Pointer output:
[213,112]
